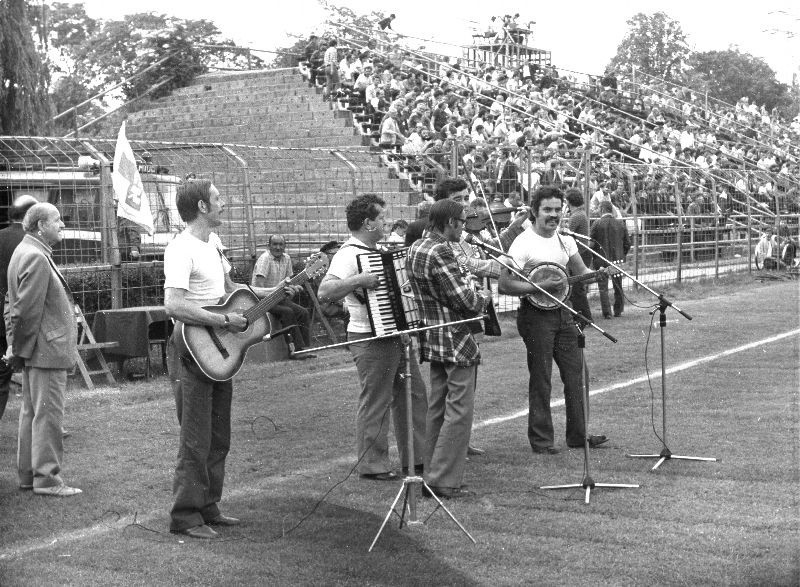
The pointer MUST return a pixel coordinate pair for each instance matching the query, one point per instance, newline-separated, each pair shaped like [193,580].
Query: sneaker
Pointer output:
[57,490]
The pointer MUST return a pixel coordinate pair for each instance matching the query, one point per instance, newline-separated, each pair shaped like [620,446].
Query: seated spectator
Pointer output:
[270,270]
[398,234]
[332,309]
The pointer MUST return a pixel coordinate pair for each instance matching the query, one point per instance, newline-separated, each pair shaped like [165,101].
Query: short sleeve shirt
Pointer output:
[343,265]
[529,248]
[197,267]
[271,269]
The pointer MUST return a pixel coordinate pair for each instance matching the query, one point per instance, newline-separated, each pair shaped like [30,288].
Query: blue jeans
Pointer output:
[204,413]
[551,335]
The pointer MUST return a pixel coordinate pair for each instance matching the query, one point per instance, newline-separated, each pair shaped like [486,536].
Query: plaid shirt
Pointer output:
[443,295]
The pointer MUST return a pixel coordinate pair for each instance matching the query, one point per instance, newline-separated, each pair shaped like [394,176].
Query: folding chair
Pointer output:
[87,342]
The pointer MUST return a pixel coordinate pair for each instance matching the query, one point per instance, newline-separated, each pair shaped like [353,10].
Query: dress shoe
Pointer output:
[302,357]
[223,520]
[202,531]
[25,486]
[418,470]
[57,490]
[475,451]
[607,316]
[65,434]
[447,492]
[618,315]
[546,450]
[594,441]
[388,476]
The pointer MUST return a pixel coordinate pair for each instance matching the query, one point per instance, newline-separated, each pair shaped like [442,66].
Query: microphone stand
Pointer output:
[663,304]
[411,479]
[587,483]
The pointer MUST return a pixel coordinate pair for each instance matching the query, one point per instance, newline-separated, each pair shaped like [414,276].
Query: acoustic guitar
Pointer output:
[541,271]
[220,352]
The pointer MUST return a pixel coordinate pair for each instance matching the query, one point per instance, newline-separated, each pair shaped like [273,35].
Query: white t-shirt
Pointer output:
[529,248]
[197,267]
[344,265]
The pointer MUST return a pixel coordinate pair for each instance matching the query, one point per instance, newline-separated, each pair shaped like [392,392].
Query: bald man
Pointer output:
[10,237]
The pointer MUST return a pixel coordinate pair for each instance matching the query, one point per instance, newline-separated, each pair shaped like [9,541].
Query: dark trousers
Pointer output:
[619,298]
[204,413]
[5,374]
[551,335]
[290,313]
[579,301]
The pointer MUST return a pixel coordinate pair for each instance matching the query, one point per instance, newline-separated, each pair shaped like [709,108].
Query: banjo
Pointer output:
[541,271]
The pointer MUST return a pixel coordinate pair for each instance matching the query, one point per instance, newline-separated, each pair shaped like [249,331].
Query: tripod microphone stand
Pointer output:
[411,480]
[663,304]
[587,483]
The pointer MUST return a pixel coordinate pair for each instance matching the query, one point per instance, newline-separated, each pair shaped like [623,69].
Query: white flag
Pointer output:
[132,200]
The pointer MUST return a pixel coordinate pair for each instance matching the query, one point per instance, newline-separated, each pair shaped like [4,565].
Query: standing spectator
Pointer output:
[579,224]
[331,63]
[391,137]
[444,295]
[272,268]
[507,174]
[611,240]
[386,23]
[43,339]
[10,237]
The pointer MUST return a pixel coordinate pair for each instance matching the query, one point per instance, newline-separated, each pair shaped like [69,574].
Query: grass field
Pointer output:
[731,522]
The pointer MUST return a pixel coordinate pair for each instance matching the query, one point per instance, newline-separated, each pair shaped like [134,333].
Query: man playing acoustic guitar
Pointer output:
[197,274]
[548,334]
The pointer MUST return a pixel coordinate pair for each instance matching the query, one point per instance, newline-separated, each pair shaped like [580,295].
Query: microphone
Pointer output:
[473,240]
[567,232]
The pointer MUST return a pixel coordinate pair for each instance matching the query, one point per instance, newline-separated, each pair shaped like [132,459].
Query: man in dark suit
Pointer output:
[43,336]
[10,237]
[612,241]
[579,223]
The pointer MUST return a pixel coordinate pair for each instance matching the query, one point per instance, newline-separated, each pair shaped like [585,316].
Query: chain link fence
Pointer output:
[111,263]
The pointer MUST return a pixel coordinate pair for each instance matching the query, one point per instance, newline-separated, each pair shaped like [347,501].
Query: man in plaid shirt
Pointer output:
[444,295]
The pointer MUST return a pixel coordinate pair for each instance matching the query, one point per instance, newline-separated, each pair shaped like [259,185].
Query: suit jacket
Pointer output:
[10,237]
[40,313]
[612,235]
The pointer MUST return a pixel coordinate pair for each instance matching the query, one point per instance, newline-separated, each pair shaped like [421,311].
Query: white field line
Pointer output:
[643,378]
[99,528]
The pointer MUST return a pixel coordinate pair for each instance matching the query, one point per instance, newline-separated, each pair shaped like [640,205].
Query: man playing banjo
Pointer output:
[549,333]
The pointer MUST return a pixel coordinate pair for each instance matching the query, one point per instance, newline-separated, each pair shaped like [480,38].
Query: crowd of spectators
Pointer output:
[512,129]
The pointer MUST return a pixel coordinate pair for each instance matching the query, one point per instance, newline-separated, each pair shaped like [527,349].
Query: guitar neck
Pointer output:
[585,277]
[262,307]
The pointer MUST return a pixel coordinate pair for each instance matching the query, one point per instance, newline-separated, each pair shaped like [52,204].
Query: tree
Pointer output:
[730,75]
[24,79]
[655,44]
[97,55]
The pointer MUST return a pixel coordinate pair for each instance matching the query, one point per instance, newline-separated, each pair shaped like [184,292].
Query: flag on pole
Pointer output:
[132,200]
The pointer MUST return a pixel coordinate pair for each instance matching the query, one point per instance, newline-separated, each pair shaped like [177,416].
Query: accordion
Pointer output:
[391,306]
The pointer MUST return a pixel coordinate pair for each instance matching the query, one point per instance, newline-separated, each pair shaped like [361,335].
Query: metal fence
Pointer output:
[111,262]
[302,193]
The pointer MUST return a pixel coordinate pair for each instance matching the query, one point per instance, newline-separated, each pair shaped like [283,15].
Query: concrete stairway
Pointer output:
[285,133]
